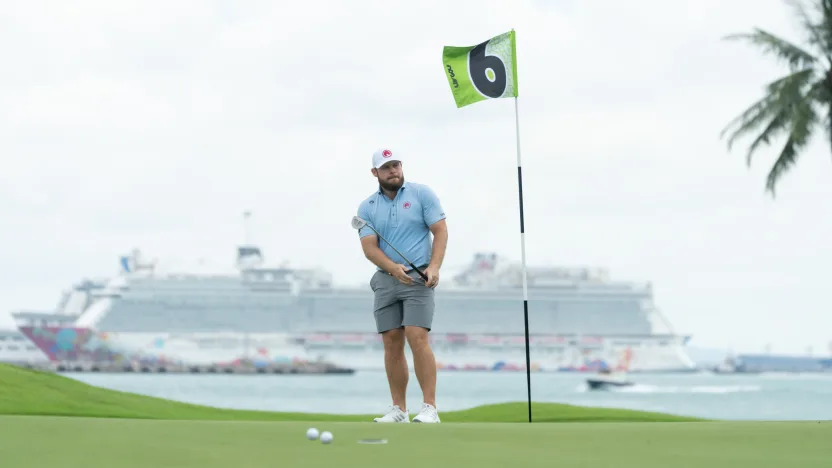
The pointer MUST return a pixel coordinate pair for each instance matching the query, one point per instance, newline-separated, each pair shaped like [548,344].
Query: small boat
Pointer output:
[732,365]
[606,381]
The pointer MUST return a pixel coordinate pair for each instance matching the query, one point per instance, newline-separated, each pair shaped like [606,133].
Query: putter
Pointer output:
[358,223]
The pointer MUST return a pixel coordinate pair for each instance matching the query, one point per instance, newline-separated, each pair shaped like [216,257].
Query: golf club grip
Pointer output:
[424,276]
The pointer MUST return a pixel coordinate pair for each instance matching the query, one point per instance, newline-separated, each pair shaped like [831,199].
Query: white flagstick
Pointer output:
[523,259]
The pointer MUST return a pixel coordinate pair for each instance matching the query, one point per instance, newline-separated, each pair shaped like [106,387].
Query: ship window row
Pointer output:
[280,314]
[625,309]
[366,302]
[180,281]
[202,289]
[188,288]
[244,292]
[276,320]
[202,301]
[18,348]
[11,338]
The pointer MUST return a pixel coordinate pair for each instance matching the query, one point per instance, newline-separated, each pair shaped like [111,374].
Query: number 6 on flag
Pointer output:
[485,71]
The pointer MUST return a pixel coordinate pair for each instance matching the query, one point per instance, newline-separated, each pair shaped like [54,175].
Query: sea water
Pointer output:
[729,397]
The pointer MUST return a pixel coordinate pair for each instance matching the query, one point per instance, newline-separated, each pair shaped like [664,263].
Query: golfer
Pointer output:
[406,214]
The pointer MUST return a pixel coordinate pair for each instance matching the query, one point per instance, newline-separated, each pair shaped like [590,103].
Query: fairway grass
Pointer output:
[36,393]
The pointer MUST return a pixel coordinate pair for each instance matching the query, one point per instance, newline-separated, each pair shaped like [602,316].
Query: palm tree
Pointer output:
[796,104]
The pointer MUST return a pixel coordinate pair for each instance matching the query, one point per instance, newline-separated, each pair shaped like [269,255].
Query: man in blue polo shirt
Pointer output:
[406,214]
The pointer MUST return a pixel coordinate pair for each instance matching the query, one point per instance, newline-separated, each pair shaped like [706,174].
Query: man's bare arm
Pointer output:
[439,230]
[374,254]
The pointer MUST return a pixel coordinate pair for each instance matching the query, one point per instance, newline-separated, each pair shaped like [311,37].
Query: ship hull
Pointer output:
[456,352]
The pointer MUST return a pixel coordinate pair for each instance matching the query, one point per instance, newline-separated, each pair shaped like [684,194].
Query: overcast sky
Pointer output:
[156,124]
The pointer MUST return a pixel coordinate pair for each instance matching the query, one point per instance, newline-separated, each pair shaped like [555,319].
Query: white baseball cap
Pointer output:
[383,156]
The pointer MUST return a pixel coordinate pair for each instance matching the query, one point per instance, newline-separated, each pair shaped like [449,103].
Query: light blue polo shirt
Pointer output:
[404,221]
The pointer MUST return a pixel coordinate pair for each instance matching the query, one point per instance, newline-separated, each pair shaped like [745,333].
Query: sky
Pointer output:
[155,125]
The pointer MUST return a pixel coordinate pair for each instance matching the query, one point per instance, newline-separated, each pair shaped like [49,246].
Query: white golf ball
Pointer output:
[326,437]
[312,433]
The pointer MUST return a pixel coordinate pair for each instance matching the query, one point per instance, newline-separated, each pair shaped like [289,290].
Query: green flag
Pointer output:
[484,71]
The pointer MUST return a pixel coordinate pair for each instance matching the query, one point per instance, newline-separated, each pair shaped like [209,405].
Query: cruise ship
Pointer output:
[579,319]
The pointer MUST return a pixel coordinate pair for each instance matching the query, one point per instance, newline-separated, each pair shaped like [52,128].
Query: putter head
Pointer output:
[358,223]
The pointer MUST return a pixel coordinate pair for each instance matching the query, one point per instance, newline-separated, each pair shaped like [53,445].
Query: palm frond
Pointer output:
[786,115]
[774,129]
[780,95]
[794,105]
[823,97]
[825,8]
[788,108]
[823,26]
[819,34]
[803,124]
[796,57]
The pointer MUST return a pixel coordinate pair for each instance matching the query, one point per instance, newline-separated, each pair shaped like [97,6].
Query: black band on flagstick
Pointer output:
[525,297]
[523,253]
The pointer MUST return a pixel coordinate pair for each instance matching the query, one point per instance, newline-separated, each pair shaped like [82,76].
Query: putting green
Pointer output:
[124,443]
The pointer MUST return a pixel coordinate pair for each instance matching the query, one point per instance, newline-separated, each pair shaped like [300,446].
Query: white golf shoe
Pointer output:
[395,415]
[427,415]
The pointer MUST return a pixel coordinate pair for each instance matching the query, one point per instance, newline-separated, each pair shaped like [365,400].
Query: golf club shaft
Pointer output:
[424,276]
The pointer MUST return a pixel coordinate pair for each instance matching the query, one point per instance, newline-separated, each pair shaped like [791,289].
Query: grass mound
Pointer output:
[30,392]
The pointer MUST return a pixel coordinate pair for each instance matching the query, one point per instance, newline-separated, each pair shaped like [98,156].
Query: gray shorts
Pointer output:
[397,305]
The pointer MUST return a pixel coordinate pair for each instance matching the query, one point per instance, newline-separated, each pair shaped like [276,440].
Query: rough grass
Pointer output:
[31,392]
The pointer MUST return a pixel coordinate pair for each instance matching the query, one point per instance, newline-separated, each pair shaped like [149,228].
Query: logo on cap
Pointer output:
[386,153]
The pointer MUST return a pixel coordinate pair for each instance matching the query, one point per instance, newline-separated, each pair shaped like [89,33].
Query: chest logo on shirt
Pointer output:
[406,205]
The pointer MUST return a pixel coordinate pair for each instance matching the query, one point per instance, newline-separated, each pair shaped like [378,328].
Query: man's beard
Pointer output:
[392,186]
